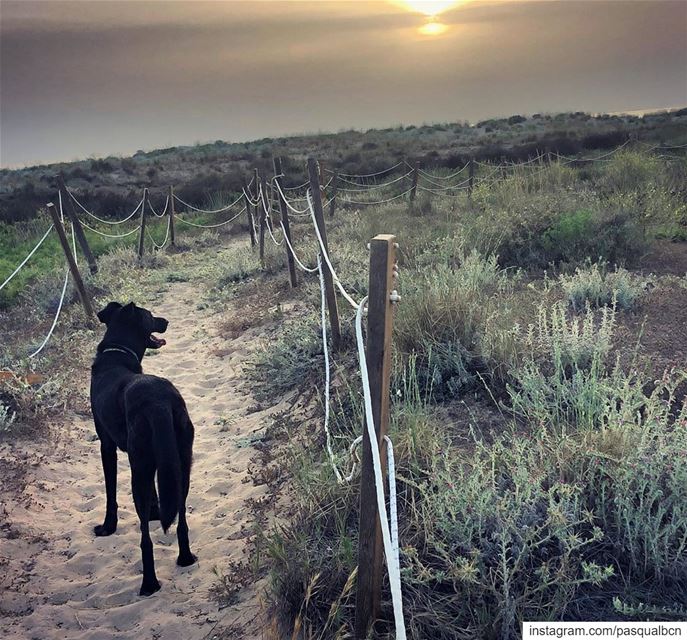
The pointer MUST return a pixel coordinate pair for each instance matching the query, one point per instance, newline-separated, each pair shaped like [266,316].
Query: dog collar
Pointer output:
[122,350]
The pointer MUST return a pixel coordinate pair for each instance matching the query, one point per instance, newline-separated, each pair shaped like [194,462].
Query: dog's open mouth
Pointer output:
[155,343]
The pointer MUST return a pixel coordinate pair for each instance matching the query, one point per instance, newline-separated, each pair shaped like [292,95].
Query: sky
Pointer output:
[91,78]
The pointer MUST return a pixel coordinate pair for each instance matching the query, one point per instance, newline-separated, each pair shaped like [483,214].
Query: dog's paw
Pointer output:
[106,529]
[186,560]
[149,588]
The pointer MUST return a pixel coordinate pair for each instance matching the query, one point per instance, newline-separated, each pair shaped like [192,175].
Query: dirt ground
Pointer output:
[60,581]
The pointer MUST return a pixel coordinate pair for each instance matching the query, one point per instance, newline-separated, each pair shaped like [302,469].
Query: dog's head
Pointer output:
[133,327]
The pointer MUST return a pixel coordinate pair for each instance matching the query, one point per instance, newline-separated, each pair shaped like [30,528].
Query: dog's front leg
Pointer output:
[108,455]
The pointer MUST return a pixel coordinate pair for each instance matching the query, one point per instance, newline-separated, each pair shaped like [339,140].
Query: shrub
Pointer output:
[596,286]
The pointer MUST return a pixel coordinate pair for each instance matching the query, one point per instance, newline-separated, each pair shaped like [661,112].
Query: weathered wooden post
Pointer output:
[471,176]
[249,215]
[172,235]
[335,191]
[314,177]
[141,237]
[278,173]
[378,353]
[260,214]
[78,281]
[413,187]
[264,203]
[76,223]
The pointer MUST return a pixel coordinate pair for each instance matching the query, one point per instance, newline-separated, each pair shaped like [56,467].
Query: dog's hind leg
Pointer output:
[185,558]
[142,479]
[108,455]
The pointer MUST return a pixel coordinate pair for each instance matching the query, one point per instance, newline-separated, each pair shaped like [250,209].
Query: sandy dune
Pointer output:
[60,581]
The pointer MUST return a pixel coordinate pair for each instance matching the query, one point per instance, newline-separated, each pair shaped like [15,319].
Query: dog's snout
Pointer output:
[160,325]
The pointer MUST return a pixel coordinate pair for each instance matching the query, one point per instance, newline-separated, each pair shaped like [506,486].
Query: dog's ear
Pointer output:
[128,310]
[106,314]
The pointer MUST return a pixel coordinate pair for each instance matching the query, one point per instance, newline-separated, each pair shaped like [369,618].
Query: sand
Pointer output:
[60,581]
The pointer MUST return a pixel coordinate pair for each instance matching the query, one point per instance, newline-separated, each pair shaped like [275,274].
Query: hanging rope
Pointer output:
[28,257]
[122,221]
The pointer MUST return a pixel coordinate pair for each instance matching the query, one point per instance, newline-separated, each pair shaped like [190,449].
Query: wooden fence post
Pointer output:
[78,229]
[265,203]
[379,329]
[141,237]
[249,215]
[293,278]
[471,177]
[172,234]
[85,300]
[413,187]
[335,191]
[313,175]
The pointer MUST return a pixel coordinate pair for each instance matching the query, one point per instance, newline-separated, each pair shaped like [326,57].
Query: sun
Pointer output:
[429,7]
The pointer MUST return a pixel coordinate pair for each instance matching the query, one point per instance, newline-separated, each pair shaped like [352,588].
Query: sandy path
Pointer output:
[63,582]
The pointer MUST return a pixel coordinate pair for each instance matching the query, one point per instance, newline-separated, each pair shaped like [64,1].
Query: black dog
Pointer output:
[146,417]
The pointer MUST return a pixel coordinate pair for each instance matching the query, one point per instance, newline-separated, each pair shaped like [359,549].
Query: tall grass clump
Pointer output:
[456,321]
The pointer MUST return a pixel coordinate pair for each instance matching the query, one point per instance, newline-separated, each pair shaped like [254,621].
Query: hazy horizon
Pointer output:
[108,78]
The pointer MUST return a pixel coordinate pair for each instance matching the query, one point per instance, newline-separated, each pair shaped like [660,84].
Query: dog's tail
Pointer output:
[168,468]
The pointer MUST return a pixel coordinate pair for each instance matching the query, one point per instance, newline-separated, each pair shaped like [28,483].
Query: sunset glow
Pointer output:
[433,29]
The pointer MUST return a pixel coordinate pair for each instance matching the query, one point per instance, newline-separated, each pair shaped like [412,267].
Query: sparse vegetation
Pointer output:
[541,456]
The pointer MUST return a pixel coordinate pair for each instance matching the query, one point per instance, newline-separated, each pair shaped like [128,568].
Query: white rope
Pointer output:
[155,213]
[164,242]
[131,215]
[190,206]
[293,253]
[288,204]
[327,384]
[446,187]
[376,186]
[433,176]
[569,159]
[110,235]
[57,315]
[250,198]
[64,287]
[28,257]
[367,175]
[390,544]
[210,226]
[267,210]
[300,186]
[400,195]
[323,251]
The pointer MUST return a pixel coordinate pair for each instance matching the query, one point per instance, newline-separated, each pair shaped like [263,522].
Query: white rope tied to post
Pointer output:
[367,175]
[341,479]
[293,252]
[220,210]
[64,286]
[267,210]
[164,242]
[400,195]
[391,547]
[122,221]
[288,204]
[28,257]
[110,235]
[433,176]
[381,185]
[209,226]
[335,278]
[164,210]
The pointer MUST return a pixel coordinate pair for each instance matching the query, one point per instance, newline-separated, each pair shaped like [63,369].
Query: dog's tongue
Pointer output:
[158,342]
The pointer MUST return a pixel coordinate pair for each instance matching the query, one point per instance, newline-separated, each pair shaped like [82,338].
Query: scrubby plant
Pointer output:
[7,417]
[595,285]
